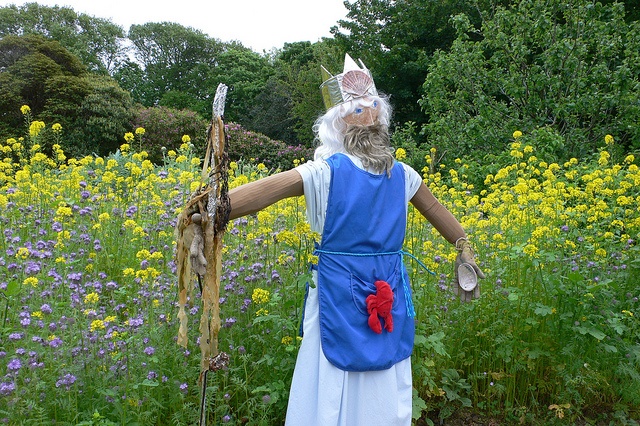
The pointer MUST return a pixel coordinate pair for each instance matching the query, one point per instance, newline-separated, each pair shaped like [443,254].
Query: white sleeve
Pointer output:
[316,179]
[413,180]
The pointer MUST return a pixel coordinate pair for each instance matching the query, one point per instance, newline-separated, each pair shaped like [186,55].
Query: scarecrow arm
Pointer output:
[255,196]
[449,227]
[437,214]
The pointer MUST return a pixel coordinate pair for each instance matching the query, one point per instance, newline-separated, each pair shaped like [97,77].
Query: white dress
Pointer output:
[322,394]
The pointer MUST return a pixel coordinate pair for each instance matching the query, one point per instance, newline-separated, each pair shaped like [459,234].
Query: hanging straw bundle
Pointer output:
[199,235]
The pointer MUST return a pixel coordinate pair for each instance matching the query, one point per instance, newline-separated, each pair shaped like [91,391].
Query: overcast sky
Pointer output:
[257,24]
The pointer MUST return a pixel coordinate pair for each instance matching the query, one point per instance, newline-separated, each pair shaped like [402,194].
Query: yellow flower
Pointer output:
[22,253]
[530,249]
[401,154]
[97,325]
[24,109]
[57,127]
[91,298]
[32,281]
[287,340]
[517,134]
[140,131]
[608,139]
[128,137]
[604,158]
[260,296]
[186,139]
[37,314]
[35,128]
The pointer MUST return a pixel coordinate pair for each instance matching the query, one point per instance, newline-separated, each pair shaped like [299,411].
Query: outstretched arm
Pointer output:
[441,218]
[255,196]
[449,227]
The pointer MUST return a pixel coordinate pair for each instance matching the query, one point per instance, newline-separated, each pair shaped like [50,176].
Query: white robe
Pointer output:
[322,394]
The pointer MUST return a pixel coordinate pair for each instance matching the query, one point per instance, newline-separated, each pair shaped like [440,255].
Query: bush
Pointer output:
[164,127]
[246,145]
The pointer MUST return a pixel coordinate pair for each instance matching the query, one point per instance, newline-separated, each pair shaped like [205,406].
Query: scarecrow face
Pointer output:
[364,116]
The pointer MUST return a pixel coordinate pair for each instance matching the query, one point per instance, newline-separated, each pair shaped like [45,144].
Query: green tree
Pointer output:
[298,71]
[396,40]
[170,58]
[39,73]
[246,73]
[93,110]
[98,42]
[570,68]
[101,119]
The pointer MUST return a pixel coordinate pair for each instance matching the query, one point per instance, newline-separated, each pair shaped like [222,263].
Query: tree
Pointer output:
[298,70]
[98,42]
[570,68]
[93,110]
[246,73]
[396,39]
[101,119]
[170,58]
[39,73]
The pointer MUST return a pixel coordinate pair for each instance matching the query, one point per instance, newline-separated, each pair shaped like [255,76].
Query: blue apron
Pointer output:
[361,243]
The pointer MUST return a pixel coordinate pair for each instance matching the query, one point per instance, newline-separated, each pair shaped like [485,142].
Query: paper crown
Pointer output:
[354,82]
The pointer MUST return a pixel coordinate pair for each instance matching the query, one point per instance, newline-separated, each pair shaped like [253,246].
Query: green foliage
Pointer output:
[96,41]
[164,128]
[170,58]
[101,119]
[245,73]
[39,73]
[568,67]
[92,110]
[298,70]
[396,40]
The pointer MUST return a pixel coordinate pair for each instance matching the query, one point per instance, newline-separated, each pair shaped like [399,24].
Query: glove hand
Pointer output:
[466,271]
[194,239]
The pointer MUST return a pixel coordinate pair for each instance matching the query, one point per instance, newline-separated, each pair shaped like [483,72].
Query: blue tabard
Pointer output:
[361,243]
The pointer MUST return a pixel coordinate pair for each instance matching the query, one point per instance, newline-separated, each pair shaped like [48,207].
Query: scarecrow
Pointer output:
[354,363]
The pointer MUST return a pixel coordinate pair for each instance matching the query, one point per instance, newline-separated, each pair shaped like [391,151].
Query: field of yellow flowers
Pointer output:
[88,298]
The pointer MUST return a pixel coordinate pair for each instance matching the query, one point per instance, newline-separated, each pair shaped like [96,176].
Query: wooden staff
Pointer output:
[210,204]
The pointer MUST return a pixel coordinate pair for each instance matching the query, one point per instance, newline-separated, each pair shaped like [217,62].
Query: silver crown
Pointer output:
[354,82]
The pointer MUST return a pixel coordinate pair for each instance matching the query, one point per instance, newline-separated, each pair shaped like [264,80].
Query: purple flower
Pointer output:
[7,388]
[184,387]
[152,375]
[14,365]
[16,336]
[67,380]
[55,343]
[46,309]
[226,418]
[149,350]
